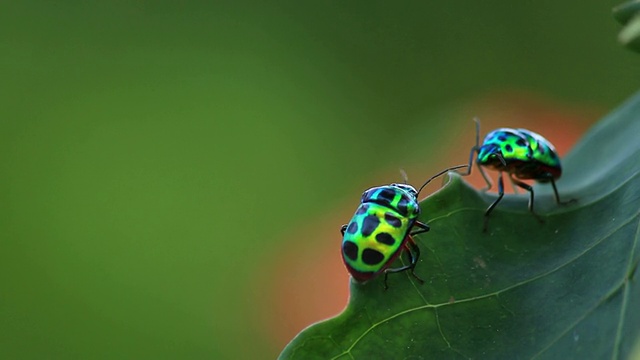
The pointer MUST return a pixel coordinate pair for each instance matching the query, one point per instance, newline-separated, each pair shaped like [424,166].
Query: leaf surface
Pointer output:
[564,289]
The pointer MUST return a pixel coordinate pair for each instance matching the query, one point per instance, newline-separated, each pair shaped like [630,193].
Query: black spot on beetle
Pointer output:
[372,257]
[387,194]
[508,148]
[362,209]
[521,142]
[353,228]
[402,206]
[369,225]
[385,238]
[350,250]
[392,220]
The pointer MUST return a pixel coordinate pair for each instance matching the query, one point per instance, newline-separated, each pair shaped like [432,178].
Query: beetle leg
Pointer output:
[343,229]
[513,186]
[397,270]
[413,253]
[529,188]
[493,205]
[423,228]
[475,148]
[555,192]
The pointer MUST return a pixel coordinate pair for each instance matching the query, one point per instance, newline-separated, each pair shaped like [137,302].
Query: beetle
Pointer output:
[523,155]
[381,228]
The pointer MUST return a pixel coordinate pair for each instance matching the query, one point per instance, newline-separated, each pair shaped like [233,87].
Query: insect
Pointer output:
[382,227]
[520,153]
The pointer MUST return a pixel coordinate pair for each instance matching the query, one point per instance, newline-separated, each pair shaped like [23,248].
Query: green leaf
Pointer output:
[628,14]
[626,11]
[567,288]
[630,34]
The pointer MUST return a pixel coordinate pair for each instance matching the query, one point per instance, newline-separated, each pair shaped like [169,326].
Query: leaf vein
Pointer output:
[573,325]
[625,300]
[541,275]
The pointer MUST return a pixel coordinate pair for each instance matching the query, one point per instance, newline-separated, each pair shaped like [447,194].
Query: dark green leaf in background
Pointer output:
[564,289]
[628,14]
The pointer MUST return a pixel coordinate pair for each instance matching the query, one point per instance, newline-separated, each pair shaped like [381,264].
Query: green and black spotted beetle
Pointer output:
[381,228]
[522,154]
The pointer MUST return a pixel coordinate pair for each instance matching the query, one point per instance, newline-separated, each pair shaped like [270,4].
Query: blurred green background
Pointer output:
[152,153]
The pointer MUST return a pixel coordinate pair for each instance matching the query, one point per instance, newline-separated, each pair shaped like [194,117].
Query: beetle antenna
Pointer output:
[438,174]
[477,121]
[405,178]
